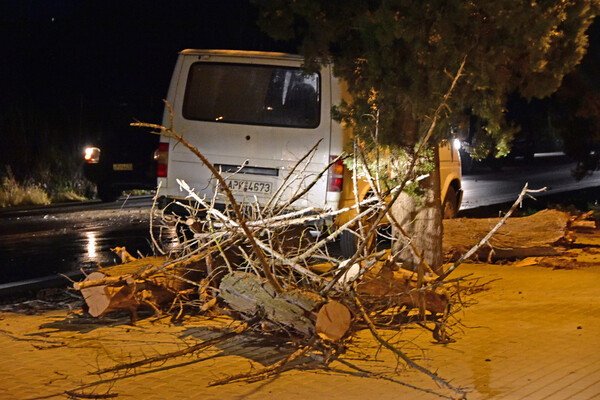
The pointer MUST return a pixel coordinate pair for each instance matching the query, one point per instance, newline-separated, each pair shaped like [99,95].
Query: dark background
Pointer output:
[78,53]
[73,69]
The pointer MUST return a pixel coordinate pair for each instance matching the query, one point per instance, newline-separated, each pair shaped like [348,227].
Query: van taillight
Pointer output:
[161,156]
[336,175]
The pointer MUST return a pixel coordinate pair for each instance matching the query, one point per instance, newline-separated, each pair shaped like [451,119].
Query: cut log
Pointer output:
[398,287]
[114,288]
[583,225]
[102,299]
[333,321]
[134,266]
[118,274]
[251,295]
[531,236]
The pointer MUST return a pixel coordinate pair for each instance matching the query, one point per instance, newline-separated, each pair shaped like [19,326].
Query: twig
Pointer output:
[288,176]
[394,221]
[156,246]
[286,261]
[355,186]
[82,395]
[382,213]
[330,237]
[179,353]
[310,185]
[210,210]
[169,132]
[267,370]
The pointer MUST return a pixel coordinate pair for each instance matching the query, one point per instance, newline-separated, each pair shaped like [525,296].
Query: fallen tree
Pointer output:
[270,276]
[257,267]
[296,290]
[531,236]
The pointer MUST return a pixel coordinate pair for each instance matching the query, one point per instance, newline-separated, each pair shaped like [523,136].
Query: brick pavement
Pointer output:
[533,335]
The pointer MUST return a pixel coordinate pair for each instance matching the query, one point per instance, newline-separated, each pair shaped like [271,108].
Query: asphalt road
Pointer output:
[39,246]
[129,202]
[488,188]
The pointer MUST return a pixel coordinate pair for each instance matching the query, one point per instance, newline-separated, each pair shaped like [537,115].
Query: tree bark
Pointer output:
[422,220]
[252,295]
[519,237]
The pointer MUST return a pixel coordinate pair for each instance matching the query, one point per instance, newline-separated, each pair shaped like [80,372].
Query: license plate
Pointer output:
[122,167]
[249,186]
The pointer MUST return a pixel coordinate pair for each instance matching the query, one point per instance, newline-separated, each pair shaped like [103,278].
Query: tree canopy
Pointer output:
[400,56]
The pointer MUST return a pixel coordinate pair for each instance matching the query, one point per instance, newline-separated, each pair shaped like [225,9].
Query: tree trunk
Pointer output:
[422,220]
[519,237]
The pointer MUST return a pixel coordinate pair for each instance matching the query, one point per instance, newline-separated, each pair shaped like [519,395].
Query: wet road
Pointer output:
[486,187]
[37,244]
[26,256]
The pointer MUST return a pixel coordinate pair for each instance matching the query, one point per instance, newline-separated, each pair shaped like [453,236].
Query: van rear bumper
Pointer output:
[183,207]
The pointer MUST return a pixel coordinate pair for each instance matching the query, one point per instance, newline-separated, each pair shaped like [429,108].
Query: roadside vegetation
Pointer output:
[13,193]
[16,193]
[41,158]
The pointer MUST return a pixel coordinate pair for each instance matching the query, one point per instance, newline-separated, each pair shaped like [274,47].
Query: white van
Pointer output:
[254,115]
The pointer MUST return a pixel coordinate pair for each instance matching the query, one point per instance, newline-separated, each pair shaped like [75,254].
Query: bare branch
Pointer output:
[487,237]
[401,355]
[169,132]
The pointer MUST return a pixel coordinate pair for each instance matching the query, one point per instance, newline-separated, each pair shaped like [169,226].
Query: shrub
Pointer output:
[12,193]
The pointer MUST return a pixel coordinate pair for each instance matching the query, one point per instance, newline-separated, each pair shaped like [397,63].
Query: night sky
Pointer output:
[81,54]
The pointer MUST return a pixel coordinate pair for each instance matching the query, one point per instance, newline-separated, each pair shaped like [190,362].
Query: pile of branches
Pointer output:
[261,265]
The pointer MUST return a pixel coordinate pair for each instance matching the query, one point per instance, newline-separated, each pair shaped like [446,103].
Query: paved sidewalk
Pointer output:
[533,335]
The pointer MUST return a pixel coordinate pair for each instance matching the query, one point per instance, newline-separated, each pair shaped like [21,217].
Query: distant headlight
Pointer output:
[92,155]
[456,144]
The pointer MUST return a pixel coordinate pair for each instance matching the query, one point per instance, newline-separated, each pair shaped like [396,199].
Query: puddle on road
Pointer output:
[31,257]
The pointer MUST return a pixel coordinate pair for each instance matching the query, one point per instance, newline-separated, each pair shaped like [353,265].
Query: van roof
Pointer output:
[242,53]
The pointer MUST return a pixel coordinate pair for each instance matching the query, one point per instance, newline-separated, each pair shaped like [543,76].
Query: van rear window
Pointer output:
[252,94]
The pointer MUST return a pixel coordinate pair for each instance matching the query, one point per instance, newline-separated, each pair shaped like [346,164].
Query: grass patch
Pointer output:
[67,196]
[12,193]
[138,192]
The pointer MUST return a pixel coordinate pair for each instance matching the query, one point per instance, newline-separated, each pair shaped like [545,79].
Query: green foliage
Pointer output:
[389,165]
[399,56]
[488,144]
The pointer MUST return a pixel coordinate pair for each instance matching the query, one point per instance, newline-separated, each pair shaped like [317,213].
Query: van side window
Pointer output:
[252,94]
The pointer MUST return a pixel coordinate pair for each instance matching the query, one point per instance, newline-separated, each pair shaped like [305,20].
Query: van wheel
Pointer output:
[347,243]
[108,194]
[450,205]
